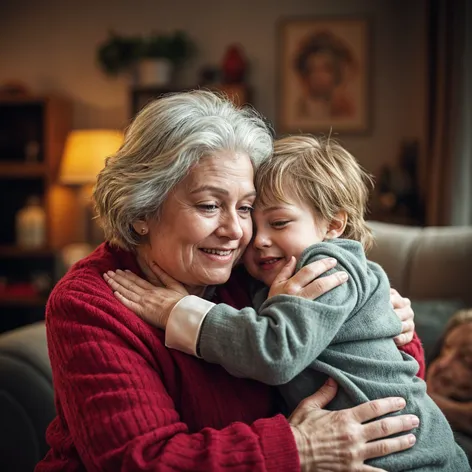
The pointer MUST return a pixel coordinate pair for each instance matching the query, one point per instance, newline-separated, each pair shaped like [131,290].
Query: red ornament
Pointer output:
[234,65]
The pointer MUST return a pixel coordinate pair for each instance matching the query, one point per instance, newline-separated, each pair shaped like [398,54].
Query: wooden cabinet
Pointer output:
[33,131]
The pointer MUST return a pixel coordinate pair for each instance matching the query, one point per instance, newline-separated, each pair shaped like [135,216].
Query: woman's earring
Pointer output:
[143,231]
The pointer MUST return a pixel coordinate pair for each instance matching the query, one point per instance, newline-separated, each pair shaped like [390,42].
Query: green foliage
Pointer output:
[119,53]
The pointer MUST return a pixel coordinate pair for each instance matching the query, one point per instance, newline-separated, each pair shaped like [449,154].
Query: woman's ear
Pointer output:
[337,225]
[141,227]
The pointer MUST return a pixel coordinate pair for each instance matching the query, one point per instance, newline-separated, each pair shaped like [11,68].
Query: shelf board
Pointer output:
[37,301]
[22,170]
[18,251]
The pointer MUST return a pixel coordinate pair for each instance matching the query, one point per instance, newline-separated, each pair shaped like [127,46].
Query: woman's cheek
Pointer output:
[247,233]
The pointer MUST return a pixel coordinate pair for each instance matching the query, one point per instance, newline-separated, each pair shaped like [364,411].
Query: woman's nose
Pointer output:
[230,228]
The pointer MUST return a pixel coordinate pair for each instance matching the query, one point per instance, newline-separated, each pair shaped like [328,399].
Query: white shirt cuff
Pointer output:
[184,323]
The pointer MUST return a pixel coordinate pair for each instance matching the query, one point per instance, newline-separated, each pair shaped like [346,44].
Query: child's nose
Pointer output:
[261,241]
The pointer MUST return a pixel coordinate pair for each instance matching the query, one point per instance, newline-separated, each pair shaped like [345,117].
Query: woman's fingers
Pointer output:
[388,446]
[405,314]
[375,408]
[388,426]
[322,396]
[398,301]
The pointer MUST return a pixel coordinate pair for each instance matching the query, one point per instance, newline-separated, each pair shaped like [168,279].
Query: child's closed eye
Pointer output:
[280,224]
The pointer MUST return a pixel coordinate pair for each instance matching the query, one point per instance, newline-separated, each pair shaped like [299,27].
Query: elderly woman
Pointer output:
[449,376]
[179,194]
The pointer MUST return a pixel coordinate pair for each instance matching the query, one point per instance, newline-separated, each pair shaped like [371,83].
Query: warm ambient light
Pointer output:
[85,152]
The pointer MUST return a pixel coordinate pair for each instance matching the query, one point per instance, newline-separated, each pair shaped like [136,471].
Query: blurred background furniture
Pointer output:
[429,265]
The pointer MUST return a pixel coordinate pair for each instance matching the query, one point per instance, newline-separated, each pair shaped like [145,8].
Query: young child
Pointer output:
[311,202]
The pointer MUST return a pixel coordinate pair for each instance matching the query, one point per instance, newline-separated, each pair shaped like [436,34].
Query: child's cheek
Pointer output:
[249,259]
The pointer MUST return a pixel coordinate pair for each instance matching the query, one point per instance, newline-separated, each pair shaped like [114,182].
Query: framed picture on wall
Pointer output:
[323,75]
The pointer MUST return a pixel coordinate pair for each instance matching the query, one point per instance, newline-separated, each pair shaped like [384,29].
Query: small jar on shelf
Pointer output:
[31,225]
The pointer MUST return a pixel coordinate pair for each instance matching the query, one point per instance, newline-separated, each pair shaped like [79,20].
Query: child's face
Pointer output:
[281,231]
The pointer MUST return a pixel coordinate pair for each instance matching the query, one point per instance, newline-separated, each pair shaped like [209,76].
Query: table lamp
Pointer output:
[84,157]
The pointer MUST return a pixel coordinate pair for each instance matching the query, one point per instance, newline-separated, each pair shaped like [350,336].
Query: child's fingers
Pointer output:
[167,280]
[121,278]
[322,285]
[134,307]
[144,284]
[312,271]
[286,272]
[116,286]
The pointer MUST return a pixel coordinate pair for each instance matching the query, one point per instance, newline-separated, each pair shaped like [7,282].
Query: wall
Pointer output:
[51,46]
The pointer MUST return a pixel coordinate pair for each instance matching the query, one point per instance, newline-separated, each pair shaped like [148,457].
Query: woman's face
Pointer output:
[450,374]
[205,222]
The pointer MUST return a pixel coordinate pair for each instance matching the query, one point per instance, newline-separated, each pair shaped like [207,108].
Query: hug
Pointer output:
[291,301]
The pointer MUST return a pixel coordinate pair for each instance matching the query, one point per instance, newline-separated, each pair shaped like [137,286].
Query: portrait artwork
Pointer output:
[323,76]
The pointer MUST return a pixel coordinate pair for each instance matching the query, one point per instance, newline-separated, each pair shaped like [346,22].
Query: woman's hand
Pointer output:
[402,307]
[305,283]
[152,304]
[339,440]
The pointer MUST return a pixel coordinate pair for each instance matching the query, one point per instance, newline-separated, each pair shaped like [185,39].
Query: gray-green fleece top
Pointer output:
[346,334]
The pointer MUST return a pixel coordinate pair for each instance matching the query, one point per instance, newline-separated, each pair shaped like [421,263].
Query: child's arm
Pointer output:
[276,344]
[279,341]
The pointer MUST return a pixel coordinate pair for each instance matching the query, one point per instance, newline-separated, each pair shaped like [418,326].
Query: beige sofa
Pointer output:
[422,263]
[426,263]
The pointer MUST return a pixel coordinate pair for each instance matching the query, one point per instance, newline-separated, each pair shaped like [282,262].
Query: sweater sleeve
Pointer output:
[415,350]
[118,411]
[279,341]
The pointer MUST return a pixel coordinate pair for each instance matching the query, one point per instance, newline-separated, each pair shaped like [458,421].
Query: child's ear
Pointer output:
[337,225]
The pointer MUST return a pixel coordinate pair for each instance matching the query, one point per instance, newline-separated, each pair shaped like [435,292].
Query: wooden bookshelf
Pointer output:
[16,170]
[41,124]
[26,302]
[13,251]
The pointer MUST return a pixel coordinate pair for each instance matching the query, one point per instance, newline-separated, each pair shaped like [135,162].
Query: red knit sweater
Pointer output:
[126,402]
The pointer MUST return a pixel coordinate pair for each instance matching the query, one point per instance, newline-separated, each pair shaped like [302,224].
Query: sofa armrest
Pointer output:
[425,263]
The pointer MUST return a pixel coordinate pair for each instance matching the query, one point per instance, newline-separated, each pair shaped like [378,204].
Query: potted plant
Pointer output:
[161,54]
[119,53]
[153,58]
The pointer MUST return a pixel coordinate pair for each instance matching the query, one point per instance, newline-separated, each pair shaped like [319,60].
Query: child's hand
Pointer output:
[305,283]
[152,304]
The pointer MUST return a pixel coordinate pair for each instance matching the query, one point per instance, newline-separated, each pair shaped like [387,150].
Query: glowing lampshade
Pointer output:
[85,152]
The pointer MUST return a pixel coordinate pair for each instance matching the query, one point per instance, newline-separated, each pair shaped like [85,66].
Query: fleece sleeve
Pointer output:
[279,341]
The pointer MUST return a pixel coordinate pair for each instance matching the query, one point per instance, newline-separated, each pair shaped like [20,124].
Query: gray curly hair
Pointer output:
[165,140]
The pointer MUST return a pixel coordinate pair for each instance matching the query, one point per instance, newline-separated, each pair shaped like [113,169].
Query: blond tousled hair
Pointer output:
[321,172]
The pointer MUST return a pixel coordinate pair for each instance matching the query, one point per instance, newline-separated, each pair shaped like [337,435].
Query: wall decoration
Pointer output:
[323,75]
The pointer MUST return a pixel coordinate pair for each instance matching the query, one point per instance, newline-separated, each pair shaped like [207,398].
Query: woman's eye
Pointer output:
[208,207]
[280,224]
[246,209]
